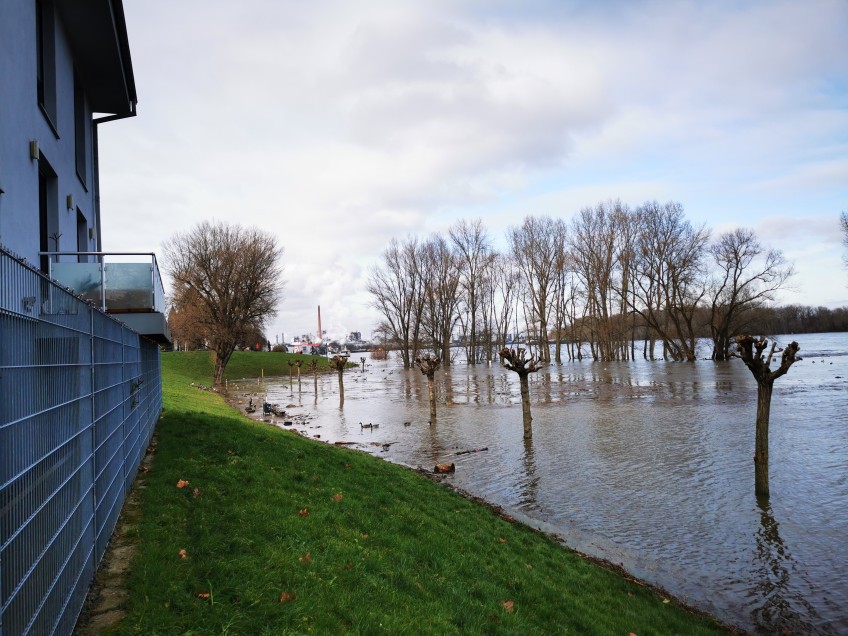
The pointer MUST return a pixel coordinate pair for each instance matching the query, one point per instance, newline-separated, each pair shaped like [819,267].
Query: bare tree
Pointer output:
[670,277]
[751,350]
[429,366]
[506,279]
[442,295]
[601,249]
[516,360]
[475,254]
[535,246]
[747,276]
[185,318]
[843,224]
[234,273]
[398,293]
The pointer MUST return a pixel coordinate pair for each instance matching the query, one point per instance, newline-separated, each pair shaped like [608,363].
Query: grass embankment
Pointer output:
[286,535]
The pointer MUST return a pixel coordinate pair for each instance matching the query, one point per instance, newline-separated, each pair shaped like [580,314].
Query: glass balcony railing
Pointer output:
[131,291]
[113,286]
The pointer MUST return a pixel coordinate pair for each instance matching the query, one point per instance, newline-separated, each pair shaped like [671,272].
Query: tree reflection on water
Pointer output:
[780,611]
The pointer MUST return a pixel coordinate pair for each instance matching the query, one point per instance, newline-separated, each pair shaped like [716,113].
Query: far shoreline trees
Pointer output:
[595,286]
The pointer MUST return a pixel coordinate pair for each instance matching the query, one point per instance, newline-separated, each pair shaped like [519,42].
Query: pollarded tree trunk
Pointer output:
[428,366]
[751,351]
[313,366]
[341,387]
[515,360]
[338,362]
[761,445]
[525,405]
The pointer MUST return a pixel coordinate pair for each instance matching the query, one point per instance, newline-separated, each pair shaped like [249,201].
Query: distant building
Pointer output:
[80,391]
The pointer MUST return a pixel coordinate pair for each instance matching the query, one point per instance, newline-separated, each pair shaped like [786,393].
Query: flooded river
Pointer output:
[646,464]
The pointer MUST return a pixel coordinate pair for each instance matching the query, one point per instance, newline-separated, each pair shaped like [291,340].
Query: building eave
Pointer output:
[97,34]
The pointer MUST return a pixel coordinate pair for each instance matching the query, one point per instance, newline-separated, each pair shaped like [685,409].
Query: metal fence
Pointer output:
[80,395]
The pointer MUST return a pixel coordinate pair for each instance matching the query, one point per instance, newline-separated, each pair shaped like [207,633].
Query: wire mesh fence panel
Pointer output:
[74,421]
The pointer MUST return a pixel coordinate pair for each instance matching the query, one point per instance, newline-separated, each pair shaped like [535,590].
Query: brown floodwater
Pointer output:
[646,464]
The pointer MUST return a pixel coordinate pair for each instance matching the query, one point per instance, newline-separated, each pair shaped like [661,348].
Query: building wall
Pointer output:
[22,120]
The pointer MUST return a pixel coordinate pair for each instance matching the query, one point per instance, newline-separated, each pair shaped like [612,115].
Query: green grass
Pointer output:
[388,549]
[197,365]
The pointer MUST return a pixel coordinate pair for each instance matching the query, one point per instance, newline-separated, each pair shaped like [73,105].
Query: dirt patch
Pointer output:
[108,593]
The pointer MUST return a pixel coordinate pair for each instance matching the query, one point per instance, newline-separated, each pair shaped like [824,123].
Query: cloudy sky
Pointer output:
[338,125]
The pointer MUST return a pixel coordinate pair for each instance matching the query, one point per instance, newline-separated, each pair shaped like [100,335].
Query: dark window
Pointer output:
[80,129]
[45,26]
[82,236]
[48,217]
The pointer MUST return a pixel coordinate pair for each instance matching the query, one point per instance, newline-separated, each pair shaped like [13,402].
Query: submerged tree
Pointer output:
[429,366]
[669,276]
[474,250]
[397,291]
[313,366]
[338,363]
[750,350]
[297,364]
[843,225]
[746,277]
[516,360]
[535,246]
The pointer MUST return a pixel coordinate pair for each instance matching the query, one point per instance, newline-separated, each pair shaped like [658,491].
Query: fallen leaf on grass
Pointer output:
[196,493]
[285,597]
[304,512]
[528,566]
[338,496]
[509,606]
[347,466]
[306,558]
[182,483]
[183,554]
[501,539]
[203,595]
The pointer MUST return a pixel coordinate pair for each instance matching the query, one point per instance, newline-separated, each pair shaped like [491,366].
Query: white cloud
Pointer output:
[339,125]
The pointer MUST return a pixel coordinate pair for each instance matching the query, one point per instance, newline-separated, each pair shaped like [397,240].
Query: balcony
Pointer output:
[131,292]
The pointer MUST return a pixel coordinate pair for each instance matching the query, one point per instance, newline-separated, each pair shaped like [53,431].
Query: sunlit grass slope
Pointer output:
[286,535]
